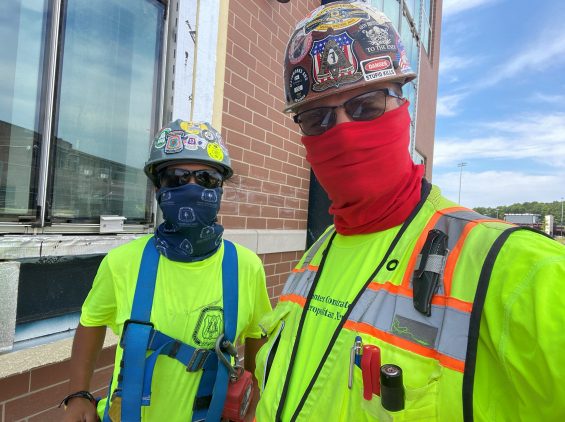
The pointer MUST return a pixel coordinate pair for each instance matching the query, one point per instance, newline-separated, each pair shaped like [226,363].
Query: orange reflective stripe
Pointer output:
[453,256]
[298,270]
[312,267]
[308,267]
[299,300]
[439,300]
[422,239]
[444,360]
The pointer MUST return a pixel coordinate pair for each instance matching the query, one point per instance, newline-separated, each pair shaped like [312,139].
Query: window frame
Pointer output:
[44,174]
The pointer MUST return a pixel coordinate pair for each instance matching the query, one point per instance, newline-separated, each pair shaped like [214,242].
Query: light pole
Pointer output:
[460,165]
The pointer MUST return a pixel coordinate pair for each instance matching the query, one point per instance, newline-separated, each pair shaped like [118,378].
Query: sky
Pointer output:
[501,102]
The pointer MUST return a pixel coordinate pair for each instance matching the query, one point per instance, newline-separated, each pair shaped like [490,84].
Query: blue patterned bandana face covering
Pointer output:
[189,232]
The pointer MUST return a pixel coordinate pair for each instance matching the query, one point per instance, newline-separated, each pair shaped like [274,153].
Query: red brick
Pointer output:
[292,225]
[239,39]
[54,414]
[272,280]
[256,223]
[288,191]
[277,176]
[239,111]
[253,158]
[245,57]
[269,212]
[276,201]
[269,187]
[275,140]
[240,168]
[262,121]
[14,386]
[237,67]
[232,222]
[238,138]
[232,123]
[286,213]
[35,402]
[257,198]
[241,84]
[290,169]
[264,96]
[228,207]
[275,224]
[259,172]
[49,375]
[272,258]
[293,180]
[101,378]
[249,210]
[248,183]
[292,203]
[260,147]
[254,132]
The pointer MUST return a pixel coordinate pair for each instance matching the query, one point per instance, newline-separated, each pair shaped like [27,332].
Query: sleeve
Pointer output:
[521,365]
[260,303]
[99,308]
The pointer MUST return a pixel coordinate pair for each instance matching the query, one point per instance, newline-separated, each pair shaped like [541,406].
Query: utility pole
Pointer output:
[461,165]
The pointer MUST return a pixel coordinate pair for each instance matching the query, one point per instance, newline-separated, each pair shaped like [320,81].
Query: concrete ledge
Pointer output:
[9,277]
[28,359]
[13,247]
[269,241]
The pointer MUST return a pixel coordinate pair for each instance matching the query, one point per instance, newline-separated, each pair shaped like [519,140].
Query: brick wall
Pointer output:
[34,396]
[271,182]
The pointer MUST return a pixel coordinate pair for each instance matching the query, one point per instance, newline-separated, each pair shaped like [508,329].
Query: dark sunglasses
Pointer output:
[367,106]
[174,177]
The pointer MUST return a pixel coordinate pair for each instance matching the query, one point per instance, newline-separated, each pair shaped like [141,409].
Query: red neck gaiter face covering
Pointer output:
[367,172]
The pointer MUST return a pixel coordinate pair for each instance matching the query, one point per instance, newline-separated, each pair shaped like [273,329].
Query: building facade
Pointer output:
[84,86]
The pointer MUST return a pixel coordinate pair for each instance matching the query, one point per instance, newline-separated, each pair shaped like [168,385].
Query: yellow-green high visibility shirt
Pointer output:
[187,306]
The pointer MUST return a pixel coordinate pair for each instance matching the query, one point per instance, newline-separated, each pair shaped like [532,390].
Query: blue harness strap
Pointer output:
[139,337]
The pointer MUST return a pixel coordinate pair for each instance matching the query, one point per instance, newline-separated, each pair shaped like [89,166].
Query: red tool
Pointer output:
[370,369]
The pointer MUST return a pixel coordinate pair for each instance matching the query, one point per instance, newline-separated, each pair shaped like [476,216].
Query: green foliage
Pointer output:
[542,208]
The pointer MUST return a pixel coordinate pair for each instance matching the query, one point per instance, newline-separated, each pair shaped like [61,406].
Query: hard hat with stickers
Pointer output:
[341,46]
[188,142]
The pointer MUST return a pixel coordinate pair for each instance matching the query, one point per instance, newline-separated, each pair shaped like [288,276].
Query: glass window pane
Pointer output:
[392,10]
[106,109]
[23,32]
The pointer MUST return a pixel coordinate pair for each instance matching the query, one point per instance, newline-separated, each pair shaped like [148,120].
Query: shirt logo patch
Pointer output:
[209,326]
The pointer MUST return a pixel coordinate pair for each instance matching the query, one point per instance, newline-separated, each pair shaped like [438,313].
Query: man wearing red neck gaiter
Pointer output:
[386,316]
[365,167]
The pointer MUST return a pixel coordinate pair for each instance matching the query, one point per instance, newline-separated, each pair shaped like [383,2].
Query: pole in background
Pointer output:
[460,165]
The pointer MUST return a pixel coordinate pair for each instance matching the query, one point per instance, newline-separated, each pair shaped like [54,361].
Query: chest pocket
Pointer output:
[273,325]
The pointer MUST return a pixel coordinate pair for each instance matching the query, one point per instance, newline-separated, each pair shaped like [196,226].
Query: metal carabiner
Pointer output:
[221,345]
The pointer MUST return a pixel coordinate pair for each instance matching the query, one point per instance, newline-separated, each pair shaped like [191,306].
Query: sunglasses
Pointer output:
[174,177]
[367,106]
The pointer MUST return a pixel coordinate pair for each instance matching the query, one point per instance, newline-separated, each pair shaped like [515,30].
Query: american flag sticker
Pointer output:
[334,62]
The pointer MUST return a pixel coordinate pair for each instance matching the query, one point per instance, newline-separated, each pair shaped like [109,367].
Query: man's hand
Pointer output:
[80,409]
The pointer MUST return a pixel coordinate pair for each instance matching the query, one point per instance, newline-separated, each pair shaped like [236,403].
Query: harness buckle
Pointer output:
[197,360]
[127,322]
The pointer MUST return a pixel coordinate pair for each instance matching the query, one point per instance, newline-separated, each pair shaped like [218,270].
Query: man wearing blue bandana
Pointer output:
[179,299]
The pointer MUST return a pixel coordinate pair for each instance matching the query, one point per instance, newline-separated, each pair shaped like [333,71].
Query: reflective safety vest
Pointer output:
[435,347]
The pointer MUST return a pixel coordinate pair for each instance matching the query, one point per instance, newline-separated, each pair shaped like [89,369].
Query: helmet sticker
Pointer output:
[215,152]
[402,58]
[191,143]
[375,38]
[175,141]
[334,62]
[336,17]
[162,139]
[299,84]
[377,68]
[208,135]
[299,46]
[191,128]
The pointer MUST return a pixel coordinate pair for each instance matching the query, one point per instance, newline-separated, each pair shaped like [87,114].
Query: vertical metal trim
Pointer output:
[195,62]
[49,106]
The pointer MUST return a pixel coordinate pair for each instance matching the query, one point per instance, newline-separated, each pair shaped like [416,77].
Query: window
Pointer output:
[105,106]
[391,8]
[426,32]
[23,34]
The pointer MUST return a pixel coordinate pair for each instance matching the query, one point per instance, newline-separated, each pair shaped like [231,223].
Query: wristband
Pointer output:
[81,394]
